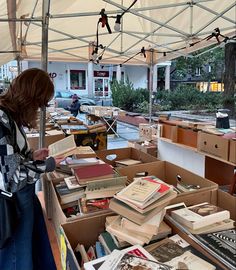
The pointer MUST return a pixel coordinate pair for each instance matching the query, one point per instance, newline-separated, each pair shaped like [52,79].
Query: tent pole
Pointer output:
[44,63]
[151,83]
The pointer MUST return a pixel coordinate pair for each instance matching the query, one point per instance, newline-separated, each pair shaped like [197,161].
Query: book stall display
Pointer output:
[126,209]
[108,115]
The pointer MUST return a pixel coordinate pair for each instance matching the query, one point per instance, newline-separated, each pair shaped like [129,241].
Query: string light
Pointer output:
[215,34]
[118,17]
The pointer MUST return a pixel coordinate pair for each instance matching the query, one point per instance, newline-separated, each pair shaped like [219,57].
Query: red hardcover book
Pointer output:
[93,172]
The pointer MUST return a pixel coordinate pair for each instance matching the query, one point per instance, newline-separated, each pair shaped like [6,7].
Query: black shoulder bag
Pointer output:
[9,211]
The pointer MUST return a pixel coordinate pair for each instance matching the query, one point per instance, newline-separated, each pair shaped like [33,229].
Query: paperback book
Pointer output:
[127,162]
[105,188]
[79,162]
[201,215]
[71,182]
[169,252]
[92,206]
[67,195]
[222,244]
[140,190]
[105,262]
[151,226]
[137,216]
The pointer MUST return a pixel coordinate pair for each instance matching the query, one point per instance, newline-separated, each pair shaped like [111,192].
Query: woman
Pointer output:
[20,168]
[74,108]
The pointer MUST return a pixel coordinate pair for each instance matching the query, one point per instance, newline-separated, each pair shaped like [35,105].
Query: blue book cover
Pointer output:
[99,250]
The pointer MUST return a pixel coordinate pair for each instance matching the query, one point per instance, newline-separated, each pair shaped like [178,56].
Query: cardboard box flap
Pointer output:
[167,172]
[227,201]
[112,155]
[85,231]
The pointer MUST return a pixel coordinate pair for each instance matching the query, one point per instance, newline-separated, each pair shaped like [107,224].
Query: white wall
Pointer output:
[137,75]
[183,157]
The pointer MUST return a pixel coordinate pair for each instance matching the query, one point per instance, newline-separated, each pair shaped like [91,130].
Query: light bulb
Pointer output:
[117,27]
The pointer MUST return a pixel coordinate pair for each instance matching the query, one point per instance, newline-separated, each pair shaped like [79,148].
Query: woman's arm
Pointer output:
[17,170]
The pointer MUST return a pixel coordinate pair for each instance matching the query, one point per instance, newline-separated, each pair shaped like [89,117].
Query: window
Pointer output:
[78,79]
[122,76]
[198,71]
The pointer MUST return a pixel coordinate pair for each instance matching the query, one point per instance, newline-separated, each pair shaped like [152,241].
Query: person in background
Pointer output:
[74,108]
[20,167]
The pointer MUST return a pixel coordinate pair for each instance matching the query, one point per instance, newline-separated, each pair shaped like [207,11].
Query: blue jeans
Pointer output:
[29,249]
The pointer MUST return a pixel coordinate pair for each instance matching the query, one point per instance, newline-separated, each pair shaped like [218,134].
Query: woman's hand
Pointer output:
[40,154]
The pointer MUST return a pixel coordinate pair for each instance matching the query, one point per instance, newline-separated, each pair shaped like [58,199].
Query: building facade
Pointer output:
[88,79]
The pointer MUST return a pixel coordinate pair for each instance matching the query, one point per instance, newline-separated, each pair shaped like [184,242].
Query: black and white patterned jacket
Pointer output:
[16,165]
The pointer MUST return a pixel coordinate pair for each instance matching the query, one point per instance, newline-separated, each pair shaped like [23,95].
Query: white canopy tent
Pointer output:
[164,25]
[63,30]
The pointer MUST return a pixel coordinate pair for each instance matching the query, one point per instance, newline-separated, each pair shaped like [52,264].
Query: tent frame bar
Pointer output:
[158,28]
[20,20]
[109,12]
[44,65]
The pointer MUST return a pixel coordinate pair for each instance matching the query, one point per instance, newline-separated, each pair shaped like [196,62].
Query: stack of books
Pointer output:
[105,188]
[69,191]
[176,253]
[210,227]
[141,211]
[86,174]
[129,258]
[167,254]
[202,218]
[142,199]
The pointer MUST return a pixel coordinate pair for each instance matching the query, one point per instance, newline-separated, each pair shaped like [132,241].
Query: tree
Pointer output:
[186,67]
[230,78]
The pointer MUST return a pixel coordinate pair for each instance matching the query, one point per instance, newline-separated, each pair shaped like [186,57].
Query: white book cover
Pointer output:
[140,190]
[132,237]
[151,226]
[71,182]
[189,261]
[111,263]
[200,215]
[62,147]
[95,264]
[76,162]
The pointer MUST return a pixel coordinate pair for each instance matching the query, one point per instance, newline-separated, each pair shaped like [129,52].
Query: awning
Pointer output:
[173,28]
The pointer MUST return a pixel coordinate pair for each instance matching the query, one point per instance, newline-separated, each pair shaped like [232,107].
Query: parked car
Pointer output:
[63,99]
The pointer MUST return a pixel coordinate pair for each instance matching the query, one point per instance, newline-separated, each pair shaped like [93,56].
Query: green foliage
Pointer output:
[186,97]
[143,107]
[126,97]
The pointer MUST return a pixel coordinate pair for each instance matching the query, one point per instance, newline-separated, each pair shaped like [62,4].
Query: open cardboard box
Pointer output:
[185,136]
[54,209]
[168,172]
[150,148]
[84,231]
[213,145]
[113,155]
[33,139]
[225,201]
[228,202]
[232,151]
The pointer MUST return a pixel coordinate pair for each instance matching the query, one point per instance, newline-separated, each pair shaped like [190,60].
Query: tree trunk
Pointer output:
[230,78]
